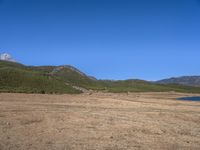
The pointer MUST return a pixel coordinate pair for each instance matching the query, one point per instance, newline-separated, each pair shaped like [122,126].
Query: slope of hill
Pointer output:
[15,77]
[69,75]
[144,86]
[185,80]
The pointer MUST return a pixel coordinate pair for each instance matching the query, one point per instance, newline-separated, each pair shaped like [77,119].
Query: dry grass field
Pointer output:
[101,121]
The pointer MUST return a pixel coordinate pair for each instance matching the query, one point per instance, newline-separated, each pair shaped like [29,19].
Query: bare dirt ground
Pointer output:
[99,122]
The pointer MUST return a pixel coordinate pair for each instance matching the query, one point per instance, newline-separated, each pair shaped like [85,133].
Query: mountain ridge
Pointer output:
[16,77]
[182,80]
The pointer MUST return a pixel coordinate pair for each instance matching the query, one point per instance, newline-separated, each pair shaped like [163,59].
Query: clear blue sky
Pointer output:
[109,39]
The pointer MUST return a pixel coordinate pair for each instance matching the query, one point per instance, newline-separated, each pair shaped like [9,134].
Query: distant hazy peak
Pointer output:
[184,80]
[6,57]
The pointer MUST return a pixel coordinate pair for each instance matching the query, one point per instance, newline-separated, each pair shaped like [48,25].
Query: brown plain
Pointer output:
[100,121]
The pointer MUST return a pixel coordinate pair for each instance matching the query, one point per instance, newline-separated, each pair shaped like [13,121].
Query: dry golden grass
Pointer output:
[101,121]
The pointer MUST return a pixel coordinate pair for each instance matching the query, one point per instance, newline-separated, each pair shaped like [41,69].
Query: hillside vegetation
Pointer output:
[21,79]
[15,77]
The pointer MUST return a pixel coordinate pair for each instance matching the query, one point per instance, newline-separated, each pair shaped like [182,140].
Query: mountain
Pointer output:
[16,77]
[184,80]
[7,57]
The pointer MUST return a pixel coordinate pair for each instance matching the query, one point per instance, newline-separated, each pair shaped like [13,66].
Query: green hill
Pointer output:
[15,77]
[144,86]
[19,78]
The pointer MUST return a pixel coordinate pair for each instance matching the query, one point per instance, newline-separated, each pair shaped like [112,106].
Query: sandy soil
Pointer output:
[98,122]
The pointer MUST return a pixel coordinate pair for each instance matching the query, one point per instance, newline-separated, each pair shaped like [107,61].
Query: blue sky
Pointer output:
[108,39]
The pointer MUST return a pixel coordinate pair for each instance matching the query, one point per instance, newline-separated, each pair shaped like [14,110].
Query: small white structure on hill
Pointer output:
[6,57]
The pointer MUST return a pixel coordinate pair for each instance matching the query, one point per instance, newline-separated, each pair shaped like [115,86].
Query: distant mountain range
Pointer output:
[16,77]
[184,80]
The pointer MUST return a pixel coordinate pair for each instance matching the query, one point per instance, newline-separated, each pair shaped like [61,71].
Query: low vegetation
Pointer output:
[21,79]
[15,77]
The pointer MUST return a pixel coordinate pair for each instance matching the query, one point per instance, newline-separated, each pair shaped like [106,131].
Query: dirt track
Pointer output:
[98,121]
